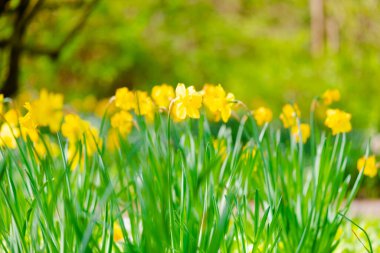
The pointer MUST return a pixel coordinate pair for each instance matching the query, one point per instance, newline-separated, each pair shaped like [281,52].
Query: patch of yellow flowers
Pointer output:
[47,111]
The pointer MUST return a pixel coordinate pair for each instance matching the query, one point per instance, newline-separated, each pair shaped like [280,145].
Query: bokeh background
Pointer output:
[267,52]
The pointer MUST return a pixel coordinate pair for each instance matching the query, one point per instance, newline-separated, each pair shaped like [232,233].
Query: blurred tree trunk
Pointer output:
[317,26]
[24,13]
[12,79]
[333,36]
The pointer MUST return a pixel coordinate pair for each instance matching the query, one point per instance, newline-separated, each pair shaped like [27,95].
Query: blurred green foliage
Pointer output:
[260,50]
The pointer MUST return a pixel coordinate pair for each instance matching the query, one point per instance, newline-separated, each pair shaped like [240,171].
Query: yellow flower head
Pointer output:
[262,115]
[139,101]
[218,102]
[162,95]
[330,96]
[123,122]
[125,99]
[187,103]
[28,128]
[47,110]
[369,166]
[144,105]
[338,121]
[73,127]
[8,136]
[301,132]
[11,118]
[10,130]
[289,115]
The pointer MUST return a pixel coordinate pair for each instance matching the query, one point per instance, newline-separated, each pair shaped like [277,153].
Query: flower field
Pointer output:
[179,170]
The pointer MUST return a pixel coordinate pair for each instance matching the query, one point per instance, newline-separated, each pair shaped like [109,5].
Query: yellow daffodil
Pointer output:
[338,121]
[262,115]
[289,115]
[29,128]
[9,131]
[47,110]
[163,95]
[125,99]
[369,165]
[301,132]
[23,126]
[123,122]
[218,102]
[187,103]
[11,118]
[139,101]
[8,136]
[330,96]
[144,105]
[73,127]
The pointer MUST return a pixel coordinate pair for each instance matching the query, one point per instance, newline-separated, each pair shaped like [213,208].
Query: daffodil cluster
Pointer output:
[181,103]
[290,118]
[46,111]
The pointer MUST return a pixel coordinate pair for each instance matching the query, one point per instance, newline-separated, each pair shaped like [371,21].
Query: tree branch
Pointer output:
[35,50]
[79,25]
[26,19]
[54,52]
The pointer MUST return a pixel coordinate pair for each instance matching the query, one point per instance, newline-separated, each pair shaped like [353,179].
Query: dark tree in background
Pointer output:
[20,16]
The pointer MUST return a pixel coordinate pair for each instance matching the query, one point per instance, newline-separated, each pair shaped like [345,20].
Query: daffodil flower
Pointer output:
[262,115]
[187,103]
[218,102]
[368,165]
[338,121]
[289,115]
